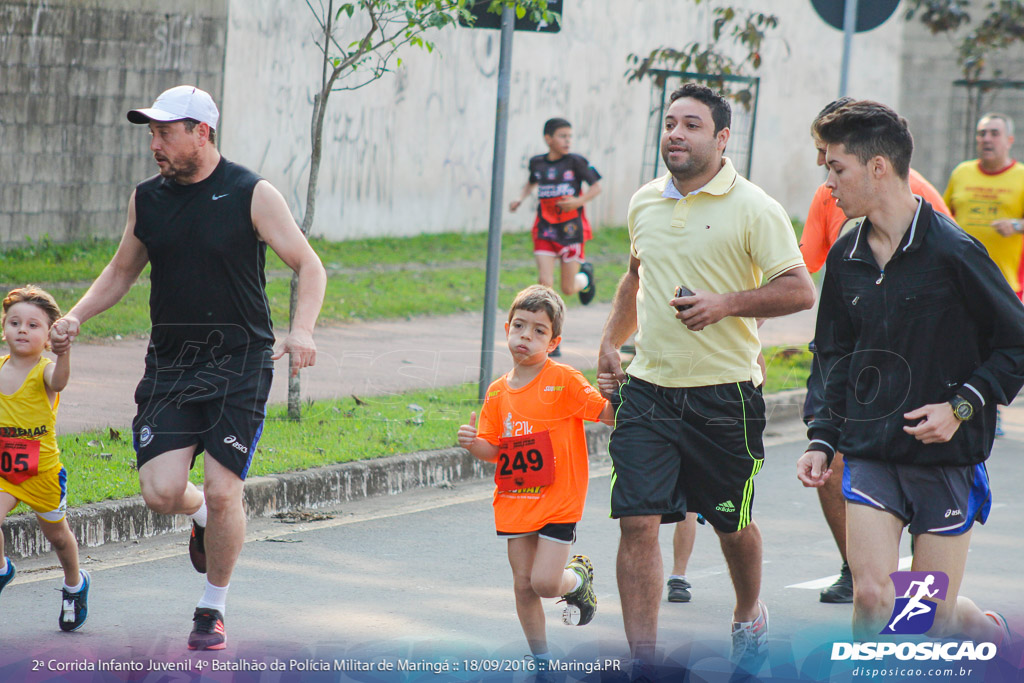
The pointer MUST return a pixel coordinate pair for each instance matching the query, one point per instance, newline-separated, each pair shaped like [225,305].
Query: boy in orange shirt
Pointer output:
[531,426]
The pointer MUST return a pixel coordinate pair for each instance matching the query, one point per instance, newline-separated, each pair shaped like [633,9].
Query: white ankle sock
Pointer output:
[214,597]
[199,516]
[4,570]
[75,589]
[582,281]
[579,581]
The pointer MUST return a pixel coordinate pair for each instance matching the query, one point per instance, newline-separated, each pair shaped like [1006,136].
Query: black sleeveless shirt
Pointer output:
[208,303]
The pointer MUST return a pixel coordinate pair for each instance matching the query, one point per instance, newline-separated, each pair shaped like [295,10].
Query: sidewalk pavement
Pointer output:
[365,359]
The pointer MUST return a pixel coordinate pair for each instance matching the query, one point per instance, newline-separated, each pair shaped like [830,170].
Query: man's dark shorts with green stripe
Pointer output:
[691,449]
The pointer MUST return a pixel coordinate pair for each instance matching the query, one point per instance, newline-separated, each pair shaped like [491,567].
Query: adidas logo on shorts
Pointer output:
[727,506]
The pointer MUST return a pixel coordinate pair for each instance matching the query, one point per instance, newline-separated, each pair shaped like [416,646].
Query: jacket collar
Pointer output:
[720,184]
[912,238]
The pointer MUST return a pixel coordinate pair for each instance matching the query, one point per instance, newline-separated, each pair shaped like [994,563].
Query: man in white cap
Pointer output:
[204,224]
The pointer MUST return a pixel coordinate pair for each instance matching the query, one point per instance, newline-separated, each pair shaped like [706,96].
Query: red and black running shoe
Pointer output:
[207,630]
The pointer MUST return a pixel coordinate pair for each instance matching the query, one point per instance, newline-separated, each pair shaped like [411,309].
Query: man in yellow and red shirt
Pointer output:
[986,196]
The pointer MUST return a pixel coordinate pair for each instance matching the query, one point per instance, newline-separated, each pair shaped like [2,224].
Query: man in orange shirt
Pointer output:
[825,222]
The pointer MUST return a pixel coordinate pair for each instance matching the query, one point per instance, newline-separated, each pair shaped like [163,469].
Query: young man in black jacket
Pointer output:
[919,337]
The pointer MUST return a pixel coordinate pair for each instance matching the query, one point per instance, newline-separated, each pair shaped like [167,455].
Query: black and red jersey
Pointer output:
[555,180]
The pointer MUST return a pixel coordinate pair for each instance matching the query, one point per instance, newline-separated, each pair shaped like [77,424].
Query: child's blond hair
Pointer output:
[540,298]
[37,296]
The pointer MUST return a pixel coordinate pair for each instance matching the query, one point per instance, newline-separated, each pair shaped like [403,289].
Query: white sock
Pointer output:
[582,281]
[677,576]
[199,516]
[4,570]
[579,581]
[214,597]
[75,589]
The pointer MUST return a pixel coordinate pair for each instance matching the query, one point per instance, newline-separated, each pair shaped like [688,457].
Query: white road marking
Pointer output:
[818,584]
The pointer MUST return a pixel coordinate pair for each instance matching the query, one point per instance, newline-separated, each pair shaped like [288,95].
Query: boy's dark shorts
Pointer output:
[693,449]
[931,499]
[222,415]
[563,532]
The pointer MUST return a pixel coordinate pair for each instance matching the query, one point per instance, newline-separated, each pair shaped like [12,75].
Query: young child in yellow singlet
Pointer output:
[30,468]
[531,426]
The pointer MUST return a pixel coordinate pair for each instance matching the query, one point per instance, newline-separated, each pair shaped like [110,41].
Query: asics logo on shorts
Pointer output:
[954,513]
[233,441]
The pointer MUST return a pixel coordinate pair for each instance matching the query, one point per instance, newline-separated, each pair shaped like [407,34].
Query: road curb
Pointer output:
[116,521]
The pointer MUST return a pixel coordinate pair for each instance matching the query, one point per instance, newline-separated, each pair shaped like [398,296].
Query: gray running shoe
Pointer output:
[679,590]
[750,639]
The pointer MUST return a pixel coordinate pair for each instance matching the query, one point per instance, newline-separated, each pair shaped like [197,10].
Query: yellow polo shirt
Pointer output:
[977,198]
[728,236]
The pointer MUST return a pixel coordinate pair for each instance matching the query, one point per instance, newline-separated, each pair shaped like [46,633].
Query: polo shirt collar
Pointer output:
[719,185]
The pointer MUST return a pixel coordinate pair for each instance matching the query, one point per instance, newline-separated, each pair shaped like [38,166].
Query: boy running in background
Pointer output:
[531,426]
[30,469]
[561,227]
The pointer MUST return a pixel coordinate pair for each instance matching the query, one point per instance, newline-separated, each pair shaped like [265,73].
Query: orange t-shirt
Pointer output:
[825,219]
[558,400]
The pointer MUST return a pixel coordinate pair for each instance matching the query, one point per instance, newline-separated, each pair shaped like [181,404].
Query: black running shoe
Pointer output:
[587,293]
[842,590]
[6,578]
[197,548]
[74,606]
[207,630]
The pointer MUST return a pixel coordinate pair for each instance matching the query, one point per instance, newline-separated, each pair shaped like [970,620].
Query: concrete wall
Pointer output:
[69,70]
[407,154]
[938,111]
[412,152]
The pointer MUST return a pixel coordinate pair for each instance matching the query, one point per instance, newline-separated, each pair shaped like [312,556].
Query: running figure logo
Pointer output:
[916,596]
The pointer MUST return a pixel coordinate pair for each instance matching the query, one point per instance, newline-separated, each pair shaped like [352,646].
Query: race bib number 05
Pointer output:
[19,459]
[525,462]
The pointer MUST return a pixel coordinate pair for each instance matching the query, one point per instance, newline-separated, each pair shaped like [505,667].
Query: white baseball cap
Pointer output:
[181,102]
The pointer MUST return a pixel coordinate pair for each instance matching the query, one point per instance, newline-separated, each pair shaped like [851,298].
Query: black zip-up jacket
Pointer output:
[939,320]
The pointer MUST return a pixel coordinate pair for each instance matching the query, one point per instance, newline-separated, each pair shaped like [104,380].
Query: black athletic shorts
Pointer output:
[563,532]
[220,413]
[815,387]
[693,449]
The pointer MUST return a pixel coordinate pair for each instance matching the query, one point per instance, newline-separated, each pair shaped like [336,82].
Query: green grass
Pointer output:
[788,368]
[46,261]
[101,464]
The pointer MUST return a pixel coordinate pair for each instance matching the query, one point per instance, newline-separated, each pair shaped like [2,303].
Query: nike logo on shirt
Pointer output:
[220,196]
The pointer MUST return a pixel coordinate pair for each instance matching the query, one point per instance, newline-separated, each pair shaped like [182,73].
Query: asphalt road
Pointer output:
[420,580]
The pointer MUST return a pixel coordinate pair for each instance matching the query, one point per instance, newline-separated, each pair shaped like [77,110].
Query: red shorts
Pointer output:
[567,252]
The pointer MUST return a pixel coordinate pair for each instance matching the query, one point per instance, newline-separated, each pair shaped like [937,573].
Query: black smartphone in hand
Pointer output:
[682,291]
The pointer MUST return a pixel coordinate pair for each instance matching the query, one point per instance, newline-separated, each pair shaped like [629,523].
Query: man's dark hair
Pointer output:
[869,129]
[828,109]
[721,112]
[551,125]
[190,125]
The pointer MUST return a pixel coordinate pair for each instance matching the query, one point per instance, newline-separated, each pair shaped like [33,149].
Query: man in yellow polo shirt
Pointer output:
[986,196]
[689,416]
